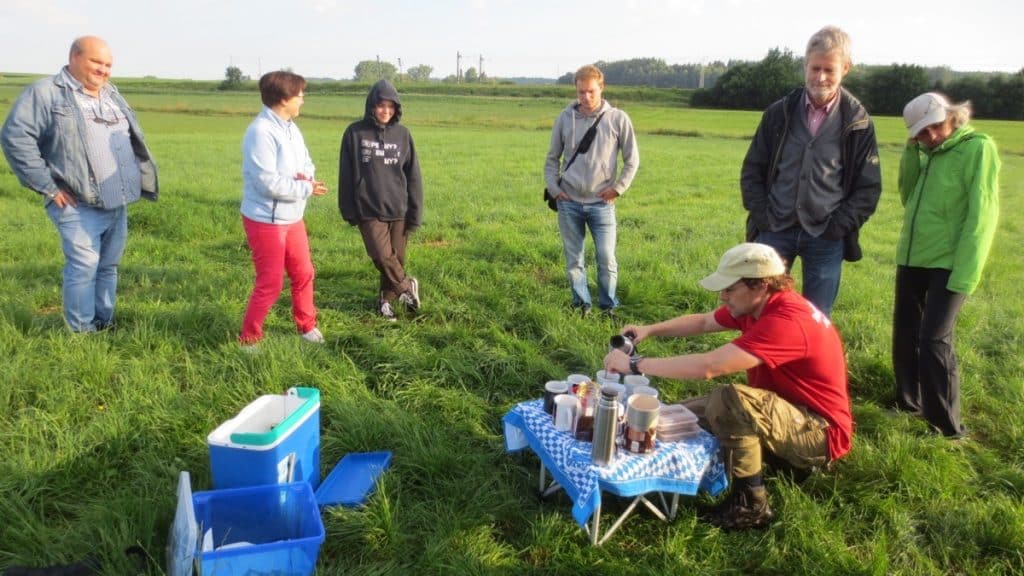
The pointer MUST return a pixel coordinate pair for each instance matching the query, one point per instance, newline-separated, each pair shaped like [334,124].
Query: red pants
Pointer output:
[277,248]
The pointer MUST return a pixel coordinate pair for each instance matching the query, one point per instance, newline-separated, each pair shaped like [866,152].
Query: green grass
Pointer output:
[95,428]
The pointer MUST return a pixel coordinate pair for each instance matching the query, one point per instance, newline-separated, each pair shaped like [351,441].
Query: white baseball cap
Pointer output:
[748,260]
[927,109]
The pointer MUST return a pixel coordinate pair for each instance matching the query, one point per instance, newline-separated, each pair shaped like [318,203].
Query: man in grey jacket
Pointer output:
[811,176]
[583,177]
[74,140]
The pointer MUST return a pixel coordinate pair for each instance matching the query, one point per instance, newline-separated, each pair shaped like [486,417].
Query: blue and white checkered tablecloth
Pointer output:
[681,467]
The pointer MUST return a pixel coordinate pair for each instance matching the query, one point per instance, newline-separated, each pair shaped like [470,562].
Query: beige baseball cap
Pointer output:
[748,260]
[927,109]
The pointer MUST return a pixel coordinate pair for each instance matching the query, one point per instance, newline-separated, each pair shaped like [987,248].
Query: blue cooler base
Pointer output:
[273,529]
[237,465]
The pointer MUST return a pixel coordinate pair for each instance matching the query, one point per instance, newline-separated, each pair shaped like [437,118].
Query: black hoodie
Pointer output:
[379,174]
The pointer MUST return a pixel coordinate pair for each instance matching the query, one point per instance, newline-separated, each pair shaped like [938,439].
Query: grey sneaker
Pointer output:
[313,336]
[743,509]
[411,297]
[386,312]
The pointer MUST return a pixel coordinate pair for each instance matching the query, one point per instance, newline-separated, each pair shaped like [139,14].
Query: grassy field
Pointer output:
[95,429]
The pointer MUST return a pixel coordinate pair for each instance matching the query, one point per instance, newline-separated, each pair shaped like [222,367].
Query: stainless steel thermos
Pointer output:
[606,416]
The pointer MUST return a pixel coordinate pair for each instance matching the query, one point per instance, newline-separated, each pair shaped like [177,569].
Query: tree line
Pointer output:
[656,73]
[755,85]
[884,90]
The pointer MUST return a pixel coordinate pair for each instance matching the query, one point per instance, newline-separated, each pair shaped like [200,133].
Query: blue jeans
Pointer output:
[573,219]
[821,261]
[93,242]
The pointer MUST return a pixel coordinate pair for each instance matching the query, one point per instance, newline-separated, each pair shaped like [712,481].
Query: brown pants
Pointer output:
[385,245]
[747,420]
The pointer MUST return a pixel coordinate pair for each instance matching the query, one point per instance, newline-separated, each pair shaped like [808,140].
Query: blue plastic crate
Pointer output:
[271,529]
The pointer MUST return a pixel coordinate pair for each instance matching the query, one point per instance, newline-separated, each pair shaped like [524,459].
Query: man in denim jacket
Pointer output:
[74,140]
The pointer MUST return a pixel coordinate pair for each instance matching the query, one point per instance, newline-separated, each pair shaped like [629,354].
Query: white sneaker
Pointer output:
[386,312]
[313,336]
[411,297]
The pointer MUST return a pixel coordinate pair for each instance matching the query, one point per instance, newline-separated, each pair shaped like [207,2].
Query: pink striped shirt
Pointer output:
[816,114]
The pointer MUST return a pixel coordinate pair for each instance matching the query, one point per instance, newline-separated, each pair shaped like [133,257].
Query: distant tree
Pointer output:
[968,87]
[887,91]
[420,73]
[654,72]
[470,75]
[992,96]
[371,70]
[232,78]
[1004,98]
[753,86]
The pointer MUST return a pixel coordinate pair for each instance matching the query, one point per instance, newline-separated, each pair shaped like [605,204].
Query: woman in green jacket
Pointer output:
[949,186]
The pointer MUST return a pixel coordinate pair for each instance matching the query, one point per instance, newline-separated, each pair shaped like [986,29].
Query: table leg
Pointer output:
[548,490]
[594,530]
[543,474]
[618,522]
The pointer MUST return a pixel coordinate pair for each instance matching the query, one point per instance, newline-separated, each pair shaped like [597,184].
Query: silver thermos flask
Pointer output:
[602,451]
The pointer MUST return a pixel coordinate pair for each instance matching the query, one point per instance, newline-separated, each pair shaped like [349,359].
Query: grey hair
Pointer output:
[828,40]
[959,114]
[76,47]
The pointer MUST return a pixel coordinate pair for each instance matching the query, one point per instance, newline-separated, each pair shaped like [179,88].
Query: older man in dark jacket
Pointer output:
[811,177]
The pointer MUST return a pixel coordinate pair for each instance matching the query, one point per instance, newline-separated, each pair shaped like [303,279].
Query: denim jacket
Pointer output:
[43,140]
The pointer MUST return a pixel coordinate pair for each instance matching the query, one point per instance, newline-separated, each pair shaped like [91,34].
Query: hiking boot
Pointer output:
[742,509]
[386,312]
[411,297]
[313,336]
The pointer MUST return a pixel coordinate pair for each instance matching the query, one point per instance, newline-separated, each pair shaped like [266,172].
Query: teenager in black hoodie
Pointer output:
[380,190]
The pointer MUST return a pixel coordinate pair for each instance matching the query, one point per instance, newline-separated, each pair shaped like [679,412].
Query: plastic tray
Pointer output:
[674,414]
[677,436]
[352,480]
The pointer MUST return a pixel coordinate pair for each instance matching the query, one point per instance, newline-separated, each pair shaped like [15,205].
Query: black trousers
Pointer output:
[923,358]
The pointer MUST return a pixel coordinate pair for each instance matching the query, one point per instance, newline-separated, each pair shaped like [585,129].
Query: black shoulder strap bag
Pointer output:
[585,142]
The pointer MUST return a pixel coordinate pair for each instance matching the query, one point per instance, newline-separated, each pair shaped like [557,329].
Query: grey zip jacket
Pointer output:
[596,169]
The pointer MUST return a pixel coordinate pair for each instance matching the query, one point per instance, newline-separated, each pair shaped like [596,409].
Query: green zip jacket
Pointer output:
[951,199]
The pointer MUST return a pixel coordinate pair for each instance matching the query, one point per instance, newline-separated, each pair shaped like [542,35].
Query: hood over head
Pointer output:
[383,90]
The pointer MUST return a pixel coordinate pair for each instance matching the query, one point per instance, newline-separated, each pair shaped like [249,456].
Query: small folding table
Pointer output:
[682,467]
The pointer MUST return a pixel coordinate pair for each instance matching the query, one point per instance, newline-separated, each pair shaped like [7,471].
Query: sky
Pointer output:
[199,39]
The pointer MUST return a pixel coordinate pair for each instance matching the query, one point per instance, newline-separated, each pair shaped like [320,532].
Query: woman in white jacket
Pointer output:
[278,178]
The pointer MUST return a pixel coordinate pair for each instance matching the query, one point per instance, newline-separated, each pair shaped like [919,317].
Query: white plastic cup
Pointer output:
[647,390]
[574,379]
[631,381]
[606,377]
[551,389]
[566,407]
